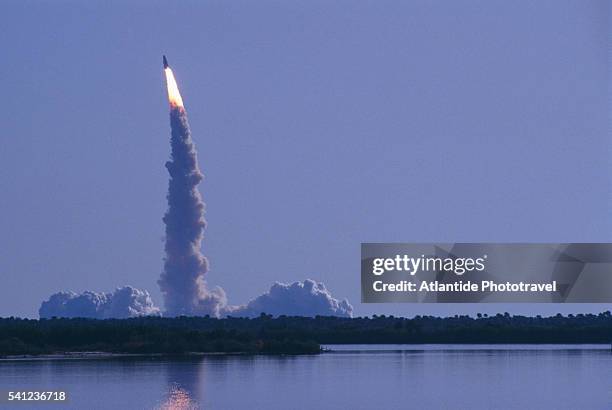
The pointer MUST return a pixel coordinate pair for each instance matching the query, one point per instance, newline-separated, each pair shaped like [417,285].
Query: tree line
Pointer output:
[289,335]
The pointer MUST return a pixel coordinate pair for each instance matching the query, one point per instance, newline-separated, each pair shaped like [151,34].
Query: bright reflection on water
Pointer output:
[178,399]
[355,377]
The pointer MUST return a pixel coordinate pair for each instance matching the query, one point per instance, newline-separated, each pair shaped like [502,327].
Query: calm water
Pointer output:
[352,377]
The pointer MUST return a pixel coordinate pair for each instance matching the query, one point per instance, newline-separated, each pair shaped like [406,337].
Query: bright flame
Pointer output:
[174,96]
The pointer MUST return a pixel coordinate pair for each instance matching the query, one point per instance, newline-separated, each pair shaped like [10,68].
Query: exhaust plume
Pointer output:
[182,281]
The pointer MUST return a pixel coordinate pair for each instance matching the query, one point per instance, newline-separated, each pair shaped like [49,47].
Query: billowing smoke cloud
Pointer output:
[182,281]
[124,302]
[307,298]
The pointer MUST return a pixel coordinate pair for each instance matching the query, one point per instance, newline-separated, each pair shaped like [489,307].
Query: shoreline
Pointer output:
[328,348]
[105,355]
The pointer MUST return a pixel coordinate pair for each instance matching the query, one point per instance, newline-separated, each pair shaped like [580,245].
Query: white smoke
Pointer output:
[182,281]
[123,303]
[308,298]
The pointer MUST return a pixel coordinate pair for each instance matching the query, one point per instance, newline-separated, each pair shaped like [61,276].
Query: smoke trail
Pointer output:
[182,281]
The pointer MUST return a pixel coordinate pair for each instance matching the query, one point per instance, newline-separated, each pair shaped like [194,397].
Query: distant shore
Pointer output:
[337,349]
[154,336]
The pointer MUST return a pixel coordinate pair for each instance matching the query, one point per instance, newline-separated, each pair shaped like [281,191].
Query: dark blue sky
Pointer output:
[320,125]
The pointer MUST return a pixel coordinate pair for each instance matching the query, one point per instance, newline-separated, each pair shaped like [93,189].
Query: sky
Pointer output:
[319,125]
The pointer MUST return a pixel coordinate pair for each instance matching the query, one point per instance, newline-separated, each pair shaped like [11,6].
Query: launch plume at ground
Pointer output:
[307,298]
[182,281]
[123,303]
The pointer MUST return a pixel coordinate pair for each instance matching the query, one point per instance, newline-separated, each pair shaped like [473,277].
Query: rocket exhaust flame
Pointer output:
[174,95]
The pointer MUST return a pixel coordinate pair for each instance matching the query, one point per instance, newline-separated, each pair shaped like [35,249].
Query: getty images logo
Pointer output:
[412,265]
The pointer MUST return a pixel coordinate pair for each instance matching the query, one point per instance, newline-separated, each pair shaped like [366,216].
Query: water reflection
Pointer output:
[188,378]
[178,399]
[185,384]
[356,377]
